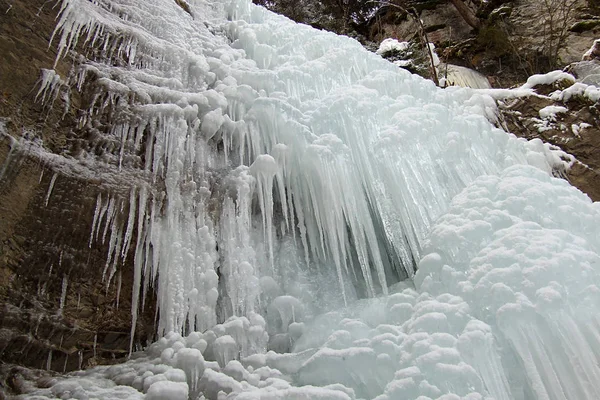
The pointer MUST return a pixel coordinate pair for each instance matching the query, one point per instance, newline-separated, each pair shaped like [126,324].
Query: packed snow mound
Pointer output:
[280,174]
[550,112]
[530,272]
[574,89]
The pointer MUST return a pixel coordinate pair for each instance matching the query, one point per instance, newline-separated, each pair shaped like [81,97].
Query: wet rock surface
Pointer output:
[56,310]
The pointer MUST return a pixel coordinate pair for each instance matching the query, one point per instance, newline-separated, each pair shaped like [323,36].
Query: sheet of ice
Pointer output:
[434,56]
[462,76]
[529,272]
[276,174]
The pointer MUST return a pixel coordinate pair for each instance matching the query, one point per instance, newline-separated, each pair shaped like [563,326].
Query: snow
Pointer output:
[548,116]
[550,112]
[548,79]
[317,223]
[388,45]
[402,63]
[578,128]
[578,89]
[591,52]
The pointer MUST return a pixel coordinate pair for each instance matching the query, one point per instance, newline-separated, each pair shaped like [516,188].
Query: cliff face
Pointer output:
[574,126]
[514,38]
[56,310]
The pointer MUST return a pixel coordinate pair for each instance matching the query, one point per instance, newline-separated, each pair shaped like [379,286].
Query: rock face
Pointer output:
[534,31]
[441,20]
[515,39]
[56,309]
[572,123]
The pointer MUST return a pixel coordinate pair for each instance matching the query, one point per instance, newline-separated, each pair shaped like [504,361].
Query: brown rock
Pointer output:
[44,234]
[521,117]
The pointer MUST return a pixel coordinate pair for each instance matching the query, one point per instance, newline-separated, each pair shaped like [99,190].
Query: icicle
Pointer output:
[110,214]
[123,140]
[50,84]
[50,187]
[115,234]
[279,153]
[119,282]
[65,364]
[130,223]
[49,361]
[303,234]
[264,170]
[103,213]
[115,259]
[95,219]
[139,262]
[477,346]
[63,294]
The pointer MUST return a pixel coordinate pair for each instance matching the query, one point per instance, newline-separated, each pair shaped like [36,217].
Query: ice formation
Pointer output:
[318,223]
[462,76]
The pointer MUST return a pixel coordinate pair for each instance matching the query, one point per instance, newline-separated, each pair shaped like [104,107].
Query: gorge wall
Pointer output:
[56,311]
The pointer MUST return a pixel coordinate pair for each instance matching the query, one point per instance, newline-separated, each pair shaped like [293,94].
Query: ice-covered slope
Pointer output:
[279,172]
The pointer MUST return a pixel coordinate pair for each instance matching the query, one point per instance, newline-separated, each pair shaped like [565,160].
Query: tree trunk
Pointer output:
[466,13]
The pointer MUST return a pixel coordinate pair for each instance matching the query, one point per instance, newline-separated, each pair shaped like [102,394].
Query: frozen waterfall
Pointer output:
[318,223]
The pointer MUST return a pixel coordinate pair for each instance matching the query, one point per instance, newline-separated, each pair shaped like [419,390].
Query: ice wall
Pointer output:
[358,157]
[283,172]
